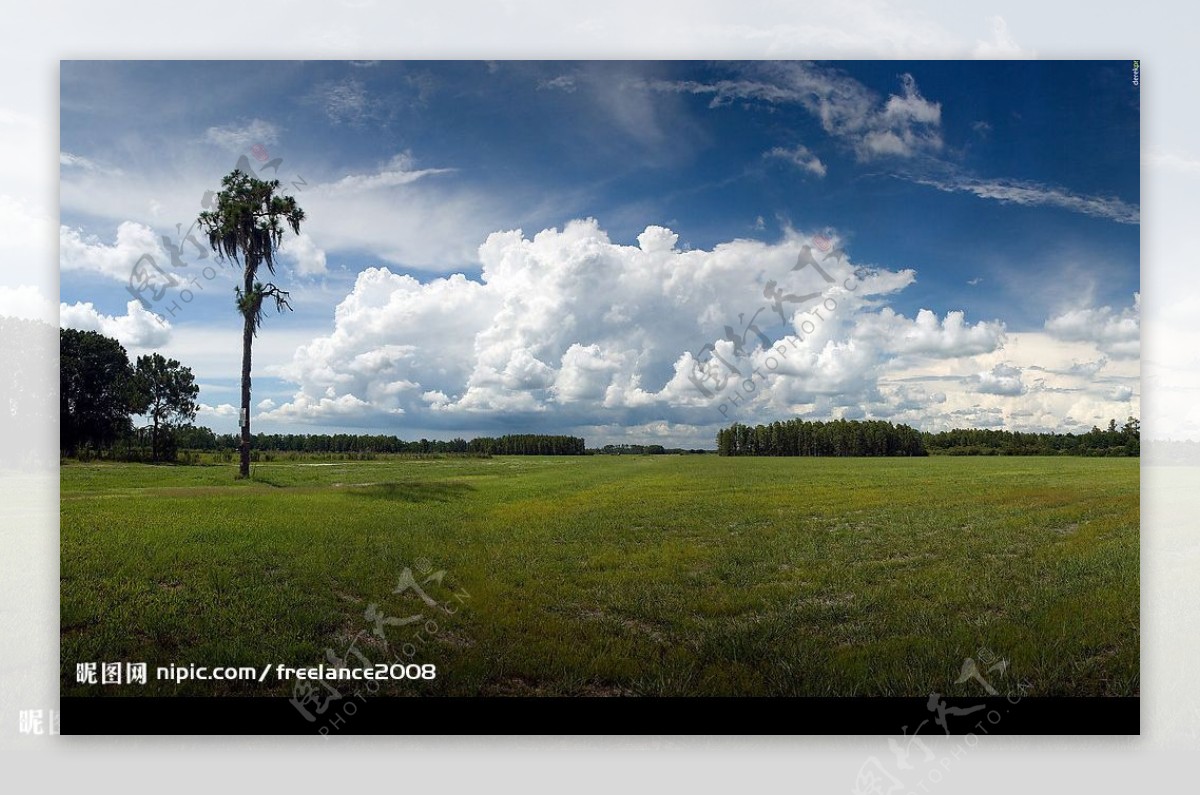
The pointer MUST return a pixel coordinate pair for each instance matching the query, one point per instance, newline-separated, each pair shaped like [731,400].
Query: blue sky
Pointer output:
[1004,191]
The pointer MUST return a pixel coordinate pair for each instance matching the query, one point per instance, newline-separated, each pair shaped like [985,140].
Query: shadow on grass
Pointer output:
[263,479]
[413,491]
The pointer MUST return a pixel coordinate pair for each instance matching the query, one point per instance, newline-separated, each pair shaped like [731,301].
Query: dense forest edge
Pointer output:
[878,438]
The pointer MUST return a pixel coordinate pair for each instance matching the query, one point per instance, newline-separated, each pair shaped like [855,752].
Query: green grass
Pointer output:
[656,575]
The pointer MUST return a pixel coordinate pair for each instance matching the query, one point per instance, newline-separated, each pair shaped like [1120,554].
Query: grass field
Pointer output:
[655,575]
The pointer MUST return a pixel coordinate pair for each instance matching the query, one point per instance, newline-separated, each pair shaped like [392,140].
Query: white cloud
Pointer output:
[397,171]
[1116,333]
[88,253]
[222,411]
[1001,380]
[68,160]
[240,137]
[561,83]
[137,328]
[567,327]
[927,335]
[28,303]
[1011,191]
[303,253]
[801,157]
[397,213]
[344,102]
[903,125]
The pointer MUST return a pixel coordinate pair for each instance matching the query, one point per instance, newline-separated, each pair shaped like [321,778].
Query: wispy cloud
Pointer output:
[68,160]
[1010,191]
[801,157]
[398,171]
[903,125]
[240,137]
[344,102]
[560,83]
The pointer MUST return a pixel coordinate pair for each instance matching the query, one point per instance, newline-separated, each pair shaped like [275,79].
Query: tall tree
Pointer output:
[169,392]
[246,226]
[96,390]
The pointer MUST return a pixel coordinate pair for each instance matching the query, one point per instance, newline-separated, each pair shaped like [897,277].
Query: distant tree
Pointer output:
[166,393]
[247,226]
[96,390]
[837,438]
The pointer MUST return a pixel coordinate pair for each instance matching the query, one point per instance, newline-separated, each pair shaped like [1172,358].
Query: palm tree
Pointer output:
[247,226]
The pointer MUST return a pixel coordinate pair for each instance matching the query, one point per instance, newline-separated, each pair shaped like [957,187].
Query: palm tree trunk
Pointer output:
[247,338]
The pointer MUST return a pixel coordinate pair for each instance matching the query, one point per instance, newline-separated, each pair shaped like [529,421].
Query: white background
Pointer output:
[35,37]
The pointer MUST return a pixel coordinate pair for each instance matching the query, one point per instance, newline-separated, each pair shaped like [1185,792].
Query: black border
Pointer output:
[431,715]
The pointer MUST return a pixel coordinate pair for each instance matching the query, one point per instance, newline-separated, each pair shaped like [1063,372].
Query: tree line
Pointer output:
[204,439]
[878,438]
[644,449]
[1125,440]
[836,438]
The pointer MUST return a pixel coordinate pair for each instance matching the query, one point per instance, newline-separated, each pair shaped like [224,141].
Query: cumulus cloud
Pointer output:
[926,334]
[801,157]
[137,328]
[1001,380]
[26,302]
[567,326]
[221,411]
[1116,333]
[80,252]
[240,137]
[303,253]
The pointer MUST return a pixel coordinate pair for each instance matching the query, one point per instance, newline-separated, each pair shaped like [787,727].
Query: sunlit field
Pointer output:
[603,575]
